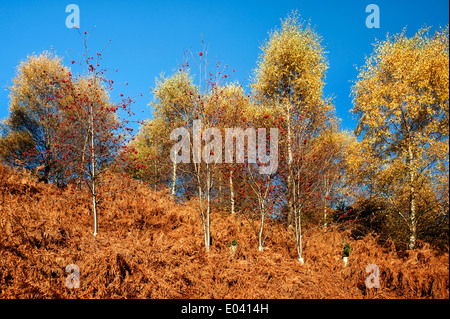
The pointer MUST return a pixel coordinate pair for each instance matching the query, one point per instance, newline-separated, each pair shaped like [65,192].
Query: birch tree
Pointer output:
[203,119]
[147,155]
[401,100]
[173,106]
[289,83]
[232,108]
[256,185]
[290,79]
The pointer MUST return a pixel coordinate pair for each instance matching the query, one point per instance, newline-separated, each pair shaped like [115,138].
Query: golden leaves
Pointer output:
[292,64]
[404,83]
[401,100]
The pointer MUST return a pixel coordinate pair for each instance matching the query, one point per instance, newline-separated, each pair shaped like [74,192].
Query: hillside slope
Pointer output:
[150,247]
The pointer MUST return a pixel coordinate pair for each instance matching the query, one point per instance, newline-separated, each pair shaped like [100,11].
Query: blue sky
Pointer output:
[149,37]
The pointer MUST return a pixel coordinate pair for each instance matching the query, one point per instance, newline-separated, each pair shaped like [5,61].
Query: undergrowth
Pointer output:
[151,247]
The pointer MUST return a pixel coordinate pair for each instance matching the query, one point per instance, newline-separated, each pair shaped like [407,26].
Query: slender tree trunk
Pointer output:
[204,212]
[208,208]
[327,193]
[298,234]
[298,225]
[413,221]
[204,219]
[48,146]
[297,222]
[412,201]
[94,197]
[94,209]
[261,227]
[93,174]
[232,193]
[289,166]
[174,179]
[83,154]
[219,194]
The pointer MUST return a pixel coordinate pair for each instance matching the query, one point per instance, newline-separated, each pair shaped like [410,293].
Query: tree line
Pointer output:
[389,176]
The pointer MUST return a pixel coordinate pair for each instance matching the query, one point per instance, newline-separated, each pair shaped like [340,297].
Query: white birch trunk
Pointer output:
[412,202]
[174,179]
[232,193]
[208,209]
[289,165]
[261,226]
[93,175]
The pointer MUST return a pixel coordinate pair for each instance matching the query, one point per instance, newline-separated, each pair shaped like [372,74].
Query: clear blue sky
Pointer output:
[149,37]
